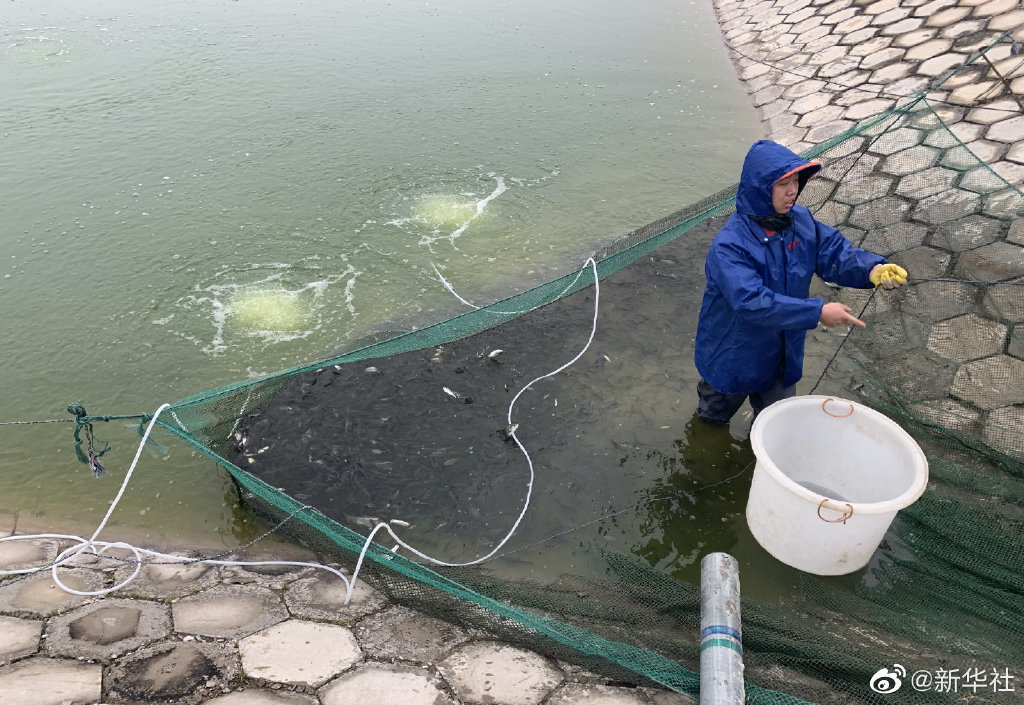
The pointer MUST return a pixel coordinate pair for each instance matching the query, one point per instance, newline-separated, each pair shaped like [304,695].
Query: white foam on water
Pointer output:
[273,308]
[451,213]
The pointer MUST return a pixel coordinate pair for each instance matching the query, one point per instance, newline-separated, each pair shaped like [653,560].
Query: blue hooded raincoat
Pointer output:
[756,311]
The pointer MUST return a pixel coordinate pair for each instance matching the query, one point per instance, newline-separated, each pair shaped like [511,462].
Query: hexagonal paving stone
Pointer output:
[1016,346]
[255,696]
[377,684]
[877,59]
[107,629]
[982,179]
[1016,233]
[992,263]
[960,158]
[878,214]
[810,103]
[926,183]
[924,262]
[868,188]
[402,633]
[819,189]
[946,206]
[834,213]
[910,160]
[44,681]
[967,337]
[948,16]
[933,301]
[823,133]
[484,672]
[18,638]
[894,238]
[1006,203]
[948,413]
[897,140]
[593,694]
[159,580]
[918,374]
[967,233]
[172,672]
[1013,173]
[991,382]
[228,612]
[986,150]
[299,653]
[322,596]
[1005,301]
[929,49]
[940,65]
[26,553]
[39,596]
[1002,430]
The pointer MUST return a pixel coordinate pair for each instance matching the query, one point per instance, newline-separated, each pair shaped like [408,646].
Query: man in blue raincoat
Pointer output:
[757,307]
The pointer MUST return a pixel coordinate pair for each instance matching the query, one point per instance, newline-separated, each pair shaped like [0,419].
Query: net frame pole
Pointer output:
[721,636]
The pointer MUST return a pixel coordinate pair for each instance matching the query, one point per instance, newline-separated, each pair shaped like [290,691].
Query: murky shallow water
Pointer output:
[206,193]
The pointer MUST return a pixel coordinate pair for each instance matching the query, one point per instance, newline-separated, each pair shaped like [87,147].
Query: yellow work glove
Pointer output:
[888,276]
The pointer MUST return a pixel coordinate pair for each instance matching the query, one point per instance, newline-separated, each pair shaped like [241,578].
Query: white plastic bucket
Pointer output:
[830,476]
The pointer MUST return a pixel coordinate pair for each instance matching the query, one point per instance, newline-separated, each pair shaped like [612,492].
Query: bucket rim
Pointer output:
[889,506]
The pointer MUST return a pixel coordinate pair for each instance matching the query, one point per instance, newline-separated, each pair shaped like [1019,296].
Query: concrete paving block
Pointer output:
[27,553]
[254,696]
[44,681]
[929,302]
[167,581]
[915,37]
[823,133]
[1002,430]
[322,596]
[880,213]
[1007,203]
[923,262]
[107,629]
[39,596]
[967,233]
[18,638]
[186,672]
[948,413]
[299,652]
[590,694]
[991,383]
[228,612]
[868,188]
[967,337]
[667,697]
[377,684]
[911,160]
[827,114]
[1005,302]
[950,15]
[407,635]
[992,263]
[1007,22]
[926,183]
[947,206]
[490,672]
[891,73]
[276,575]
[1012,173]
[895,238]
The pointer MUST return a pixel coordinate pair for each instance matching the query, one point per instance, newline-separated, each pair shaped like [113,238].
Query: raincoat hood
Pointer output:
[767,162]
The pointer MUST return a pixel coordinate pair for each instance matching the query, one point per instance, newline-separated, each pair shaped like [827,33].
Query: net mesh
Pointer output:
[427,410]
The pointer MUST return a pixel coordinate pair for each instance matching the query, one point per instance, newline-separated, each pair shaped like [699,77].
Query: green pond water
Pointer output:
[197,193]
